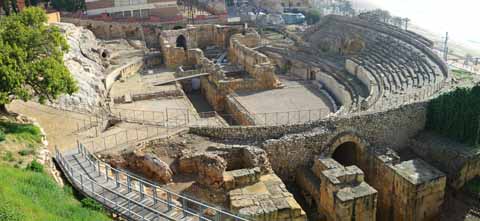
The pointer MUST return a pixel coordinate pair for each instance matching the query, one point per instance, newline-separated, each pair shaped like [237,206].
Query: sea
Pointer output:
[460,18]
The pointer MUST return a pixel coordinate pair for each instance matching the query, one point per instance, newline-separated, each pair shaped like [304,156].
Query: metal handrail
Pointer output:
[83,184]
[88,156]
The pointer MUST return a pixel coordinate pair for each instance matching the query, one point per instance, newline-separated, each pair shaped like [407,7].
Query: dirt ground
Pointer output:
[60,126]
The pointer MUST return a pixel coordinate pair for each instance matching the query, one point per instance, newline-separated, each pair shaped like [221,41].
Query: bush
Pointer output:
[90,203]
[457,115]
[35,167]
[312,16]
[8,156]
[26,152]
[2,135]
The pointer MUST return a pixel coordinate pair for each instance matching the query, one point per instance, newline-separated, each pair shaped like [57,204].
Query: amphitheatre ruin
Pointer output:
[232,122]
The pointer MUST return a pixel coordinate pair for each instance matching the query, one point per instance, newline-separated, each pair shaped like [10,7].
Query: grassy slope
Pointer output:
[26,195]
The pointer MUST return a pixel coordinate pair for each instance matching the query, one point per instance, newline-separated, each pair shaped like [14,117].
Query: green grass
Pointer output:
[32,196]
[25,133]
[462,75]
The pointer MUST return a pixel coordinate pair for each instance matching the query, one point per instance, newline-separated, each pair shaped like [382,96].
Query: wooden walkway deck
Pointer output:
[131,197]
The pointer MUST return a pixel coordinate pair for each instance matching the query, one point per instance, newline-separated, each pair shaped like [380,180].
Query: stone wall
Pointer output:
[460,162]
[340,193]
[241,52]
[123,71]
[292,147]
[367,78]
[241,115]
[197,37]
[393,126]
[115,30]
[409,190]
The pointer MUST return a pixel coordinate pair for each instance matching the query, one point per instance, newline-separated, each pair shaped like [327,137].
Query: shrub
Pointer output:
[2,135]
[457,115]
[26,152]
[90,203]
[8,156]
[35,167]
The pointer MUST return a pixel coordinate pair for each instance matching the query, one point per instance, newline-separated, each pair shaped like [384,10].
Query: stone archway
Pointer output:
[346,154]
[348,149]
[181,42]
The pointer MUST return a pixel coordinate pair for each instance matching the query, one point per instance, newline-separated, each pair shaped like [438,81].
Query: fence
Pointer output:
[177,117]
[145,189]
[130,136]
[419,95]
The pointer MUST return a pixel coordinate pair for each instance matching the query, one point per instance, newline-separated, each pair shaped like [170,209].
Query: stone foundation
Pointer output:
[339,192]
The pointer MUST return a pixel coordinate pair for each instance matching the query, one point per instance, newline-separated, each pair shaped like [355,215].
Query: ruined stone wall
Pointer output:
[241,115]
[199,36]
[341,94]
[459,161]
[255,63]
[408,190]
[211,93]
[115,30]
[289,152]
[394,126]
[123,71]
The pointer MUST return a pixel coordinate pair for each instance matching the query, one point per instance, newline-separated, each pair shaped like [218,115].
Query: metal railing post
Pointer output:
[106,171]
[184,206]
[81,181]
[142,195]
[154,193]
[129,184]
[117,183]
[98,168]
[169,201]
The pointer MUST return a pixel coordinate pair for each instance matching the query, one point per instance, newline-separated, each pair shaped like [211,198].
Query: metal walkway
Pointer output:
[180,79]
[130,197]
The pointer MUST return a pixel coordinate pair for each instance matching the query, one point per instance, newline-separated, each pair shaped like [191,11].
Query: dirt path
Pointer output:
[60,126]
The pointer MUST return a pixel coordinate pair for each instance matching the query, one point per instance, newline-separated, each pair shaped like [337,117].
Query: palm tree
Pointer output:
[406,20]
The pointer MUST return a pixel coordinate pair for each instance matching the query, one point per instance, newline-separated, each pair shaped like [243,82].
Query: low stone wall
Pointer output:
[148,96]
[367,78]
[123,71]
[292,147]
[153,59]
[394,126]
[460,162]
[255,63]
[335,88]
[240,113]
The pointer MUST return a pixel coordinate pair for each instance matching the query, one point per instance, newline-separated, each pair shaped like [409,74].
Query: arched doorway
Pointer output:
[346,154]
[182,42]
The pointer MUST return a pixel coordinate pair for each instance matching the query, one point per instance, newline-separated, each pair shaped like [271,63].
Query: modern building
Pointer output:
[162,9]
[295,4]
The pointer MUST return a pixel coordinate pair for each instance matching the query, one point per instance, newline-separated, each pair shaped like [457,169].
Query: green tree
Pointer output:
[312,16]
[69,5]
[31,62]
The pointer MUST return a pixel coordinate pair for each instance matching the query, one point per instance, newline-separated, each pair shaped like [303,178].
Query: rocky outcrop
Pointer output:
[85,63]
[146,164]
[209,167]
